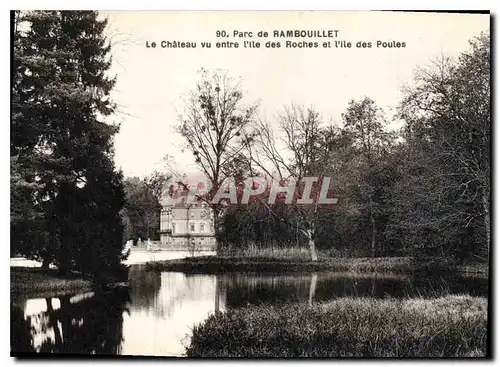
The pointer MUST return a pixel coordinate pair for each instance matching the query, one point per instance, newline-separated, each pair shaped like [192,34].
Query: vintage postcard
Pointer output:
[257,184]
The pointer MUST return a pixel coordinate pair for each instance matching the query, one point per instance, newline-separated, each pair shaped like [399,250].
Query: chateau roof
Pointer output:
[176,197]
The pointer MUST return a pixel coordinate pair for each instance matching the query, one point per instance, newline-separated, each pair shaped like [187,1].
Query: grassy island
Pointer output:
[451,326]
[397,265]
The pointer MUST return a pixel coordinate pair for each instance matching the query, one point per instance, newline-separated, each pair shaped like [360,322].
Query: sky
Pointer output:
[151,82]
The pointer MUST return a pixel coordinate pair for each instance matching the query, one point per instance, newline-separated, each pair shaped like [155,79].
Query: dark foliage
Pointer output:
[65,192]
[421,191]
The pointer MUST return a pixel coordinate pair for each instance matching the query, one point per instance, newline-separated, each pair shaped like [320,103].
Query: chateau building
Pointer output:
[185,226]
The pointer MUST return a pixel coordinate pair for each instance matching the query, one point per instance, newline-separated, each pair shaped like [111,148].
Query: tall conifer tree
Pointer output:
[60,100]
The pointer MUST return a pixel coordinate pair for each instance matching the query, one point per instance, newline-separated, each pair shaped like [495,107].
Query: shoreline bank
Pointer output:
[44,281]
[41,283]
[223,264]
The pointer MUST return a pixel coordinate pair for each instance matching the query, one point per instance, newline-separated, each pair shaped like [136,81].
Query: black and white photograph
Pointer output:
[250,184]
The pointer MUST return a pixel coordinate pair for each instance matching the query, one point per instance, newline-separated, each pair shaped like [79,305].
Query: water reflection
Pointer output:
[164,308]
[243,289]
[157,315]
[88,324]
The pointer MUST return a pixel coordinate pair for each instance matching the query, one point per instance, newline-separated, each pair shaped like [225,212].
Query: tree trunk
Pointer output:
[45,263]
[312,287]
[487,225]
[312,245]
[63,257]
[297,239]
[53,322]
[67,327]
[374,230]
[215,213]
[217,294]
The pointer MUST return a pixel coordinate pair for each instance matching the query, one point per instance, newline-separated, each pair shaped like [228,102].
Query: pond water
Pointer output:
[157,315]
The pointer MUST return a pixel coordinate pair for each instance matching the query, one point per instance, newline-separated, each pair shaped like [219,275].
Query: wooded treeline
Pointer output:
[66,194]
[421,191]
[141,212]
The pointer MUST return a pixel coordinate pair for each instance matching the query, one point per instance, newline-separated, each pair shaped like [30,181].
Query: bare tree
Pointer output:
[306,154]
[214,125]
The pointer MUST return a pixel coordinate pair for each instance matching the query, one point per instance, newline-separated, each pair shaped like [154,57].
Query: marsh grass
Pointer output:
[222,264]
[273,252]
[451,326]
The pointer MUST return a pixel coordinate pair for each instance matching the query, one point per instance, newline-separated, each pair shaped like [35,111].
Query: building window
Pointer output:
[173,227]
[202,227]
[192,227]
